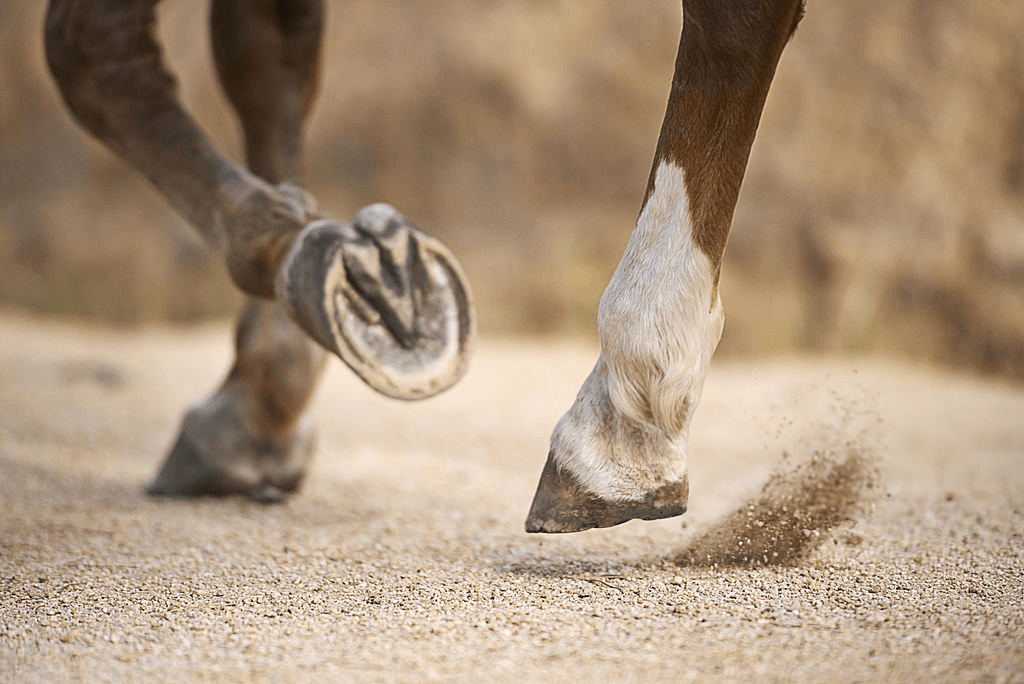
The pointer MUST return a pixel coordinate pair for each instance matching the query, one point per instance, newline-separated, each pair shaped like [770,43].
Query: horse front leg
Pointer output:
[620,451]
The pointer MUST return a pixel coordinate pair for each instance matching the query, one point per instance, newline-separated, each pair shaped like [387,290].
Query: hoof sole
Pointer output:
[389,300]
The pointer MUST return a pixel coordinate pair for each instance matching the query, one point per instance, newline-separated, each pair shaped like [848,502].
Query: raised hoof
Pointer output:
[242,467]
[561,504]
[388,299]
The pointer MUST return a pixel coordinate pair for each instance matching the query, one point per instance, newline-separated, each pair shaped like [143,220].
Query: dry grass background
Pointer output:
[882,211]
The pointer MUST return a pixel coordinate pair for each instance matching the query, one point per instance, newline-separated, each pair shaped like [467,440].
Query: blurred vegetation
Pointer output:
[883,209]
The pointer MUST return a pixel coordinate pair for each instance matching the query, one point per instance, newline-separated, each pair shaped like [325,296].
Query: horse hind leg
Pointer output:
[253,436]
[389,300]
[267,55]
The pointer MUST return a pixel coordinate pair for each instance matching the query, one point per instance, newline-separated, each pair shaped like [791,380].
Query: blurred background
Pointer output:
[882,212]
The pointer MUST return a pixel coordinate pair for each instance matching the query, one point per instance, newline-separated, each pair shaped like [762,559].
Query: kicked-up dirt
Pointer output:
[850,520]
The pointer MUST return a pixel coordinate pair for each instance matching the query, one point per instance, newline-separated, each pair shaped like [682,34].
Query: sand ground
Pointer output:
[403,558]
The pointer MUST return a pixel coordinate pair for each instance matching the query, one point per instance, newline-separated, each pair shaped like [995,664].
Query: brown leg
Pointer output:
[267,55]
[109,68]
[388,299]
[250,437]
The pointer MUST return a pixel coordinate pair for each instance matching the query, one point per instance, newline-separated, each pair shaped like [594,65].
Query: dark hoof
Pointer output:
[225,462]
[185,473]
[561,504]
[391,301]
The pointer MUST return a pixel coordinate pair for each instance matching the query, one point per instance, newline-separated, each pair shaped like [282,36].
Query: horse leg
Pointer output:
[250,436]
[389,300]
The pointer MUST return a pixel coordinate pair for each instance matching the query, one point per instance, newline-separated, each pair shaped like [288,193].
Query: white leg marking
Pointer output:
[659,322]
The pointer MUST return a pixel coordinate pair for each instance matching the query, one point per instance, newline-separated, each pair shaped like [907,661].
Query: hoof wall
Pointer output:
[561,504]
[187,473]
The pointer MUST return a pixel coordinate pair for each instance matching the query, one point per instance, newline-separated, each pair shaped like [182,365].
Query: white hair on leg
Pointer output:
[660,320]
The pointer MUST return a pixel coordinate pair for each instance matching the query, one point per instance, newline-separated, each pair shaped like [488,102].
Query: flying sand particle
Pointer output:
[791,517]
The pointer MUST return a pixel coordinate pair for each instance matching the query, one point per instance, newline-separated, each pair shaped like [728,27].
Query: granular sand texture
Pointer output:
[403,558]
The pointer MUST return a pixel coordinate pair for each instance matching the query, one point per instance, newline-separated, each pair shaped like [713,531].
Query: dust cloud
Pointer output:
[793,515]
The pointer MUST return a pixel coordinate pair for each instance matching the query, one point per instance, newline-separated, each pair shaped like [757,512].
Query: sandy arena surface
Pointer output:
[403,558]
